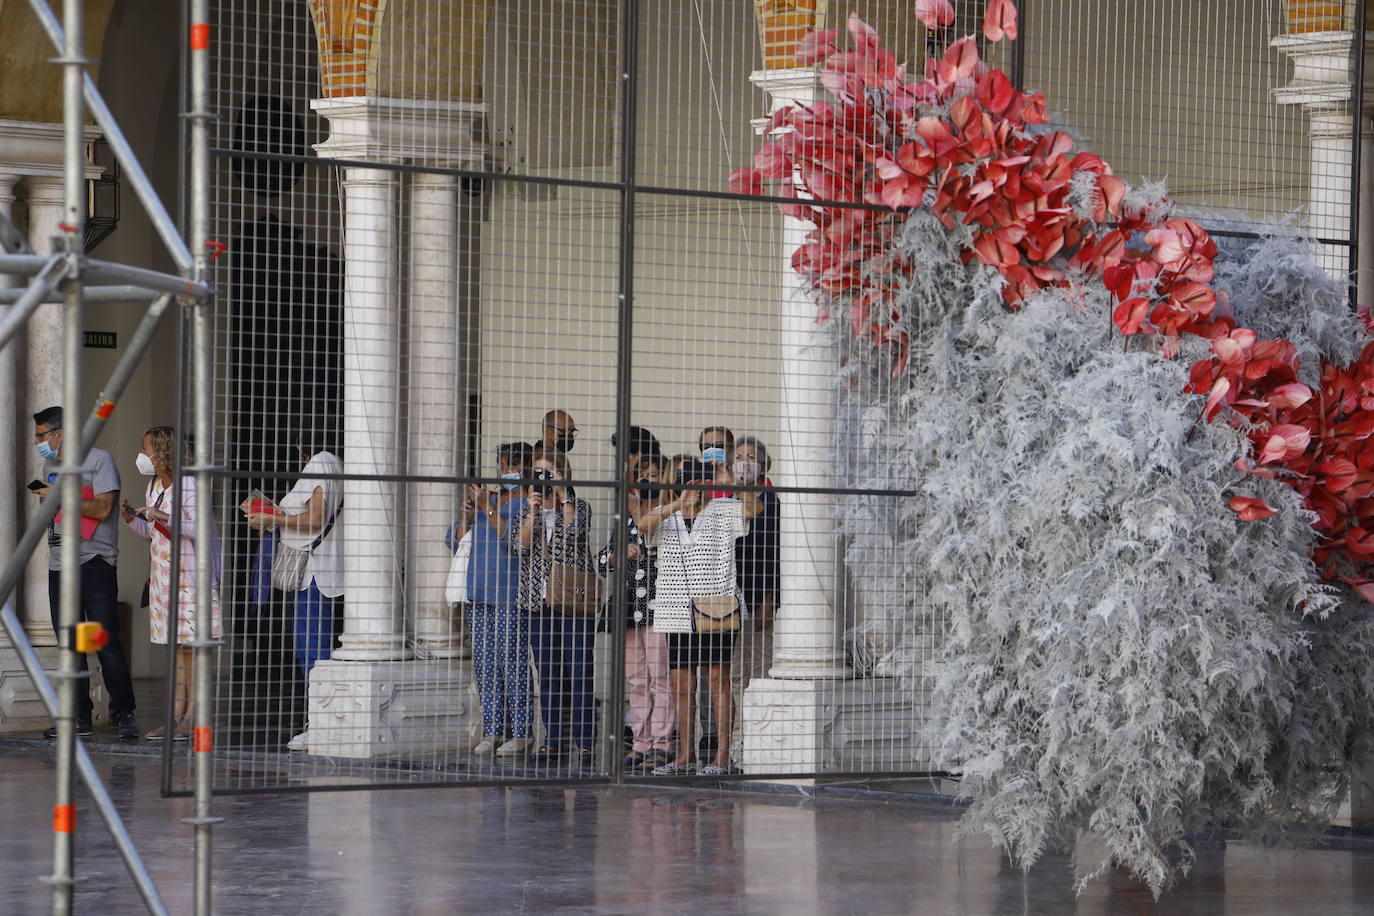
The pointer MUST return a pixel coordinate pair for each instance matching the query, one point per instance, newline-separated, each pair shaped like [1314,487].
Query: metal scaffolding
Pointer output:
[79,279]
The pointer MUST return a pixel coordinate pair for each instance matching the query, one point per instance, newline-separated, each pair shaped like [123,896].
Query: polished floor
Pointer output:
[442,851]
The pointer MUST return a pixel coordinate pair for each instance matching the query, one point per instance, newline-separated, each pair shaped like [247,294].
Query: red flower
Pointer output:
[1251,509]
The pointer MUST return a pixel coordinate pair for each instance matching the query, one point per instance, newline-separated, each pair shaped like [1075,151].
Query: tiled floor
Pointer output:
[632,851]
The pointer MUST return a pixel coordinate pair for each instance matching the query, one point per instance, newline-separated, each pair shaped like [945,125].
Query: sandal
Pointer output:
[547,752]
[160,734]
[634,760]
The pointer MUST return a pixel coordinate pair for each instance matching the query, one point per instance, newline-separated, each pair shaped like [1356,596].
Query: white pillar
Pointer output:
[435,402]
[1322,84]
[372,582]
[805,716]
[372,699]
[805,641]
[12,432]
[44,388]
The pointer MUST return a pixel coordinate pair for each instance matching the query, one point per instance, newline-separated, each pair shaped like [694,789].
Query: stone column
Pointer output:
[807,715]
[372,582]
[1323,85]
[434,397]
[371,699]
[44,388]
[12,432]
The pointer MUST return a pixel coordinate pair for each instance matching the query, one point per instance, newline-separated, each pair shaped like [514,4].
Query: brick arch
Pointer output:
[401,49]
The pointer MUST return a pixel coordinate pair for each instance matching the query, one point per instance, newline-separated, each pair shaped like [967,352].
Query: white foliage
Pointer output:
[1120,654]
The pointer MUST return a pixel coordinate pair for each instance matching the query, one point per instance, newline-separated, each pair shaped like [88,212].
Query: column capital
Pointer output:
[786,86]
[1323,75]
[402,130]
[34,148]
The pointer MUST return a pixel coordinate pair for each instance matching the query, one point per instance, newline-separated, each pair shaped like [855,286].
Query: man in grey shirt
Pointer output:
[99,552]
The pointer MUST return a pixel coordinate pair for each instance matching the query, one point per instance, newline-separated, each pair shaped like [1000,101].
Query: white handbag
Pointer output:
[456,586]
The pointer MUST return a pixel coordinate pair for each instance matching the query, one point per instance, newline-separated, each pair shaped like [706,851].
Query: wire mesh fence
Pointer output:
[533,460]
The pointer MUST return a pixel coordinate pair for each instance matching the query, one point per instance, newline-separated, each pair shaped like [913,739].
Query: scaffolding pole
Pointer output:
[205,645]
[72,453]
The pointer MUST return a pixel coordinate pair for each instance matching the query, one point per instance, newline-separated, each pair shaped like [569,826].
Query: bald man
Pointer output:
[560,432]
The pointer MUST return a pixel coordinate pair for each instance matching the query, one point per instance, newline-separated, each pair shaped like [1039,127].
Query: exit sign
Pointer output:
[100,340]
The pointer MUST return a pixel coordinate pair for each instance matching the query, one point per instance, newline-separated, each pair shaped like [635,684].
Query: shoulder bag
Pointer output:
[288,563]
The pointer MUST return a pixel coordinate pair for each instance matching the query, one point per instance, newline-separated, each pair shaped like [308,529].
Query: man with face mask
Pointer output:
[99,553]
[560,432]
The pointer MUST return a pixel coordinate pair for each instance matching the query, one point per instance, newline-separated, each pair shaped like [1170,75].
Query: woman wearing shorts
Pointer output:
[695,538]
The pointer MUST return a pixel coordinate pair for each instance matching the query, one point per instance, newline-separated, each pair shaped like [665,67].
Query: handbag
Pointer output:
[573,591]
[288,563]
[716,614]
[456,586]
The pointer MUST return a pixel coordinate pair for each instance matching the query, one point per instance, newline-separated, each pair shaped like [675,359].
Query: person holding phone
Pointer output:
[99,553]
[500,631]
[651,713]
[552,531]
[153,522]
[698,602]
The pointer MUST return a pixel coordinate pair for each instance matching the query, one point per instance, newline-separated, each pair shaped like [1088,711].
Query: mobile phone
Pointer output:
[36,484]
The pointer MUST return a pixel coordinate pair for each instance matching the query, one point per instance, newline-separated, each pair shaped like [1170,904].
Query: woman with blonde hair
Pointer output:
[153,522]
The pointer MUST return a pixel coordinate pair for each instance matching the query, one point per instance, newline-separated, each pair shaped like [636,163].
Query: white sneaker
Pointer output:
[299,743]
[485,746]
[513,747]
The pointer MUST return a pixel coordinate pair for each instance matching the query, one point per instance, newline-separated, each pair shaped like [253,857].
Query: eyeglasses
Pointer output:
[708,444]
[39,437]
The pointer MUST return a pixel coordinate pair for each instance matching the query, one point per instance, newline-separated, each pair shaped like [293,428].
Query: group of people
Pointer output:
[98,556]
[699,568]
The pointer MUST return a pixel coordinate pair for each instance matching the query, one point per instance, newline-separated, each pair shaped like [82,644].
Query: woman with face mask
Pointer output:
[698,603]
[552,533]
[500,633]
[153,522]
[307,519]
[651,713]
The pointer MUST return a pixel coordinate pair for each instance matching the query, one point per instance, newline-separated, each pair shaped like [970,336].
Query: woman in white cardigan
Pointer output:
[697,602]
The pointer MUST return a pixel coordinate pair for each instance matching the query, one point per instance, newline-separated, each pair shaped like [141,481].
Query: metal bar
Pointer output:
[100,294]
[130,169]
[97,271]
[19,640]
[624,371]
[204,645]
[73,453]
[1357,122]
[11,239]
[1018,48]
[32,296]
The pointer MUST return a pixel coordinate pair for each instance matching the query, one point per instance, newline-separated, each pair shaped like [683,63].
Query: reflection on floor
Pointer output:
[609,850]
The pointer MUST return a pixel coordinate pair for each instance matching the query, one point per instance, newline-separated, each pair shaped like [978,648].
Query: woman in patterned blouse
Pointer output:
[553,528]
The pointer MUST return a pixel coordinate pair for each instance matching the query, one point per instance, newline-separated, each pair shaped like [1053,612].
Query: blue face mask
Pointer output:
[46,450]
[510,477]
[713,455]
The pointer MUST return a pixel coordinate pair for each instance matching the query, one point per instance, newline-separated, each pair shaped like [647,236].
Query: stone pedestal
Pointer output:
[362,710]
[810,727]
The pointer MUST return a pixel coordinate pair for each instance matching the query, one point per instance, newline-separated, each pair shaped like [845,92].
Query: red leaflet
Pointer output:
[1285,443]
[817,46]
[1251,509]
[745,181]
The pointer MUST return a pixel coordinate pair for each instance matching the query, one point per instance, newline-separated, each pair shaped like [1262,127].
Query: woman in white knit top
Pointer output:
[695,535]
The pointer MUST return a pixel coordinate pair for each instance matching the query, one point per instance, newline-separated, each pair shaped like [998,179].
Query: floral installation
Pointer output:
[1122,651]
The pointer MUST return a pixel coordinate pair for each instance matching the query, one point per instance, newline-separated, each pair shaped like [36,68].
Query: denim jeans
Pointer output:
[100,603]
[563,652]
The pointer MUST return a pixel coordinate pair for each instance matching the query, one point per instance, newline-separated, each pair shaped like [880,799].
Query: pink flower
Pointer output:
[934,14]
[1000,20]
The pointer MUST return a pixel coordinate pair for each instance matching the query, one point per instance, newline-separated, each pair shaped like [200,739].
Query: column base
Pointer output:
[362,648]
[388,708]
[811,727]
[20,706]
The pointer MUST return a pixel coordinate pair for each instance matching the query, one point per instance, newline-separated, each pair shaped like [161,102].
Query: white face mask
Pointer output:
[144,465]
[746,471]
